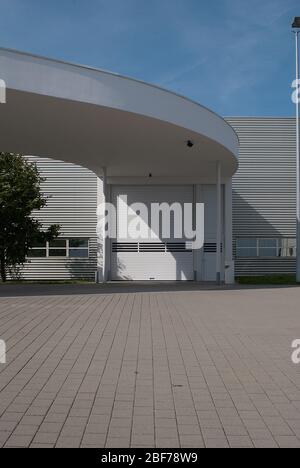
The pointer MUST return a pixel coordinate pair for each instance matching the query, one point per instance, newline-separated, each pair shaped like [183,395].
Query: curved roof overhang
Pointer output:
[94,119]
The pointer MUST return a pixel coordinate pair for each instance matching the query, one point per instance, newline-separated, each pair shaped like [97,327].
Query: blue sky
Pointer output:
[234,56]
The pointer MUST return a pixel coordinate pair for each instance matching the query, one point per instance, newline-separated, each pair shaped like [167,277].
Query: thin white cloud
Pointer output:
[231,49]
[211,51]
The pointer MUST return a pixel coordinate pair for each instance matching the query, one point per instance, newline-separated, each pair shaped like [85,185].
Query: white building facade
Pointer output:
[100,138]
[142,143]
[263,192]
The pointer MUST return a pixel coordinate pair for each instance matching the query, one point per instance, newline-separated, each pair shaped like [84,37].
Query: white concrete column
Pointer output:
[104,180]
[195,266]
[219,223]
[101,275]
[198,253]
[229,263]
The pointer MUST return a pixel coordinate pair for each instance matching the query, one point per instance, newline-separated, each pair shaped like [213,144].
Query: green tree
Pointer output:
[20,195]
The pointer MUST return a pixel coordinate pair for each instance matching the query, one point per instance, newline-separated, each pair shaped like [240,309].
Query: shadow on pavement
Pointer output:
[27,290]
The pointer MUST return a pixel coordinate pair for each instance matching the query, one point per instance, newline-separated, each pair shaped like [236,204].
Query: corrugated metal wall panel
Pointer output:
[265,266]
[72,203]
[62,268]
[264,188]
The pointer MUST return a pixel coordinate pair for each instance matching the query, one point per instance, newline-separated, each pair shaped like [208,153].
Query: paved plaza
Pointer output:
[149,366]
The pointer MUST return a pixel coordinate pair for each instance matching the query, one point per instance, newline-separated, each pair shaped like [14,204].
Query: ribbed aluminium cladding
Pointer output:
[72,203]
[264,188]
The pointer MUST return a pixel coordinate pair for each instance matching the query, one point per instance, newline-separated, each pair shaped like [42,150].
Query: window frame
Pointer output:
[79,248]
[67,248]
[38,248]
[283,245]
[259,247]
[58,248]
[247,248]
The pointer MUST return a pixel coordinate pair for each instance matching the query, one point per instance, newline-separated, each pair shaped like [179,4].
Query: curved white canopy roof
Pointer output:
[94,118]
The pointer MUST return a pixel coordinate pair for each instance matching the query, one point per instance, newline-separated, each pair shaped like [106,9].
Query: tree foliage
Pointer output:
[20,196]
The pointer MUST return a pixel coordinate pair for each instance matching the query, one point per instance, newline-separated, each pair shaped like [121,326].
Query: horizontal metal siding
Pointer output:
[264,188]
[263,266]
[72,203]
[62,268]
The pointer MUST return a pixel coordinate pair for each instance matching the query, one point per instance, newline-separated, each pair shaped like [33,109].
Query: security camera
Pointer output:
[190,144]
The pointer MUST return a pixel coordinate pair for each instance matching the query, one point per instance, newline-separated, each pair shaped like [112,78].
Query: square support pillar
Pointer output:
[102,240]
[219,224]
[229,262]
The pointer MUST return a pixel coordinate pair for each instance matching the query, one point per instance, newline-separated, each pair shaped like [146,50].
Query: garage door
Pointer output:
[162,259]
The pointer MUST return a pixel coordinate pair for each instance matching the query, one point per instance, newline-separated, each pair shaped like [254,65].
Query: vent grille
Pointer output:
[125,247]
[152,247]
[143,247]
[211,247]
[178,247]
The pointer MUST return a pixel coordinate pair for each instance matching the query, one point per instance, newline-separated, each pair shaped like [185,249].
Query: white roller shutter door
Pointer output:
[162,259]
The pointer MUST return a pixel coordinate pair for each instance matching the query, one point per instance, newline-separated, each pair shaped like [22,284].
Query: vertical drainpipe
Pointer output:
[219,223]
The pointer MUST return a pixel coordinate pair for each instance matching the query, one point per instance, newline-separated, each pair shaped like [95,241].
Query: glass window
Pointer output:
[246,243]
[78,248]
[57,252]
[35,253]
[268,243]
[246,247]
[250,252]
[39,249]
[58,248]
[267,252]
[79,243]
[79,253]
[73,248]
[58,243]
[267,247]
[287,248]
[41,245]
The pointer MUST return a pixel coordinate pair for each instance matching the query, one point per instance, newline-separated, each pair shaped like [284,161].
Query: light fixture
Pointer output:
[296,23]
